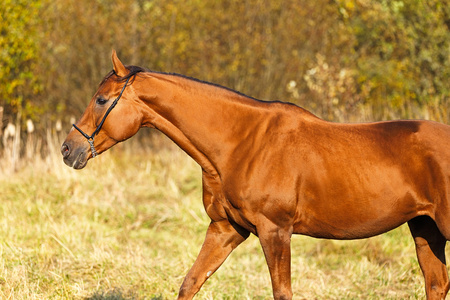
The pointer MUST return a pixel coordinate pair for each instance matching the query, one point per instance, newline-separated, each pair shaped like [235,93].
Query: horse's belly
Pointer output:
[347,229]
[357,219]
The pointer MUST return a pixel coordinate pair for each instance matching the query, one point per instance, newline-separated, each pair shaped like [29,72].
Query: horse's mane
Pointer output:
[135,70]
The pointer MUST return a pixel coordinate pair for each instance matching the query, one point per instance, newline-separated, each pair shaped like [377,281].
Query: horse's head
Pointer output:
[106,121]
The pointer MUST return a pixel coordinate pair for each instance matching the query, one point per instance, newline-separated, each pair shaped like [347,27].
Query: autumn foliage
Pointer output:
[345,60]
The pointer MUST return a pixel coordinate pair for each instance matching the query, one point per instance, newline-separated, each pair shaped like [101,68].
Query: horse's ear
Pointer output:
[119,68]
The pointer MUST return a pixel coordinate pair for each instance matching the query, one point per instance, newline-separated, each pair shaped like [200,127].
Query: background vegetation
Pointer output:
[346,60]
[130,225]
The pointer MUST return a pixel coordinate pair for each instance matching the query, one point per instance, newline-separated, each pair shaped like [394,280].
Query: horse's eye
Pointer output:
[101,101]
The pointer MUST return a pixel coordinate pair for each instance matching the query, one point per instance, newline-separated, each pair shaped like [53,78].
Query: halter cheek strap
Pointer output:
[90,138]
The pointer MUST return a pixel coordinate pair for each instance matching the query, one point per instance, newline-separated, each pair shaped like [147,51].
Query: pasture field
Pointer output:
[130,225]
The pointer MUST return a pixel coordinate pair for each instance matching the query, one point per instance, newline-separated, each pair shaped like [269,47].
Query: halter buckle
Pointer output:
[91,143]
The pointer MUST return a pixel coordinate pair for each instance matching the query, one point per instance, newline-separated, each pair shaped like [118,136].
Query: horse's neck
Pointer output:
[206,121]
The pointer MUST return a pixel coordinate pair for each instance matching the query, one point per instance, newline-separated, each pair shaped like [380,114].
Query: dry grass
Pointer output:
[130,225]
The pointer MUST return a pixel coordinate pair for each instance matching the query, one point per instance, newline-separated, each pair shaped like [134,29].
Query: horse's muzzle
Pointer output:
[74,157]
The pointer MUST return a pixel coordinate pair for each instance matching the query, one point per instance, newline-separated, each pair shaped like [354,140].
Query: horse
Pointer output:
[273,169]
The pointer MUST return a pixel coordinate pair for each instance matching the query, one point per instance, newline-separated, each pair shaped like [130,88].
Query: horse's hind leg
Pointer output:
[430,248]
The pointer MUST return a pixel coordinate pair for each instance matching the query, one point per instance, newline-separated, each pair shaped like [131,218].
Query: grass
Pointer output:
[130,225]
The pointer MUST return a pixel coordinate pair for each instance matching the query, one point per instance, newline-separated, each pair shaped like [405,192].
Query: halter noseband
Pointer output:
[90,138]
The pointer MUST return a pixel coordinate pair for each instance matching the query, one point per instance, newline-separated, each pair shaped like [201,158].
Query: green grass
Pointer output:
[129,226]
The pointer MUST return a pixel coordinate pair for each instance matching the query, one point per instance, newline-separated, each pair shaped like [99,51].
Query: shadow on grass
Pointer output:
[117,294]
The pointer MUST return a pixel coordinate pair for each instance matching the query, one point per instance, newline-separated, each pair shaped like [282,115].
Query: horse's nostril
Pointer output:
[65,150]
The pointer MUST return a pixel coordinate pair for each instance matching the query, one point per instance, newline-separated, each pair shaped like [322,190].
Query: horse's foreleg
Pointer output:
[276,244]
[221,239]
[430,248]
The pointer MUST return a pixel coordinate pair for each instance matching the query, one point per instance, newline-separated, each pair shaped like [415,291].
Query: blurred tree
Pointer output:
[402,51]
[345,60]
[19,83]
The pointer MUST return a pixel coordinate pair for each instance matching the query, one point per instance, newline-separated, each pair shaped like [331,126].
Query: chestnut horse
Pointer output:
[274,169]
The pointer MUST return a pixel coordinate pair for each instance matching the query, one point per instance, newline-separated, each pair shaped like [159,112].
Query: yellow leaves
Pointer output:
[346,8]
[18,51]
